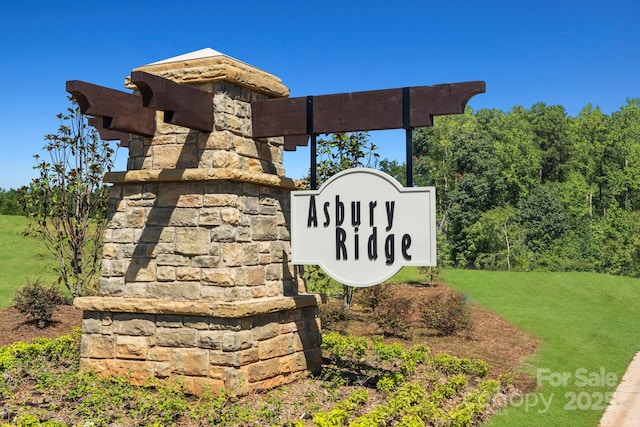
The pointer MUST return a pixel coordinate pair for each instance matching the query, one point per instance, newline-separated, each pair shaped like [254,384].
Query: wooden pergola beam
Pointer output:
[120,111]
[402,108]
[109,135]
[183,105]
[439,100]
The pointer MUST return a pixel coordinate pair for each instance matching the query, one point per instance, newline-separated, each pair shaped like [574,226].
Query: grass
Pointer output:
[589,325]
[409,275]
[23,259]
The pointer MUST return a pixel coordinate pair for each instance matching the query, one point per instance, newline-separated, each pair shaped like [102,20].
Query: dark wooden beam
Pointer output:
[120,111]
[183,105]
[291,142]
[347,112]
[279,117]
[359,111]
[439,100]
[109,135]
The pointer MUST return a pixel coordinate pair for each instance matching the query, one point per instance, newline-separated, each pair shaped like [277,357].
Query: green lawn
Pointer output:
[589,326]
[22,259]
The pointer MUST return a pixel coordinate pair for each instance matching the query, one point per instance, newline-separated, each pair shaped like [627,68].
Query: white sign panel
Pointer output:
[362,226]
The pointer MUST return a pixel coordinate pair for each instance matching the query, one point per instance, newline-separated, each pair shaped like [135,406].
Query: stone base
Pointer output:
[239,347]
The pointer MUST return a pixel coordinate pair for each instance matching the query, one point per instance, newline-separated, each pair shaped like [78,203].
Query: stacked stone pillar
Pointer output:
[196,280]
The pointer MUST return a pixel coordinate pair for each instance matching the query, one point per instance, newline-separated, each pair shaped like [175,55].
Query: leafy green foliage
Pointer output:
[88,399]
[343,151]
[454,365]
[343,409]
[535,189]
[318,281]
[344,347]
[543,218]
[441,390]
[38,302]
[394,169]
[10,202]
[370,383]
[67,201]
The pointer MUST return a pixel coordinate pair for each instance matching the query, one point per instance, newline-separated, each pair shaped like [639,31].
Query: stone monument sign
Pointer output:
[197,281]
[197,275]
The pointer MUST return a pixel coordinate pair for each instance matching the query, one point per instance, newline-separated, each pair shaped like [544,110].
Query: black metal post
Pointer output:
[406,124]
[312,137]
[409,159]
[314,166]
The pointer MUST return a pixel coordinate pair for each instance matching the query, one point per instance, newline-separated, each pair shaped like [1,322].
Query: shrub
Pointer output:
[432,273]
[333,315]
[453,365]
[343,347]
[393,316]
[447,313]
[38,302]
[373,296]
[339,415]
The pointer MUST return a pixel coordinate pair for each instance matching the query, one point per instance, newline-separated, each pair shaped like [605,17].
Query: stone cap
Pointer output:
[208,65]
[199,174]
[237,309]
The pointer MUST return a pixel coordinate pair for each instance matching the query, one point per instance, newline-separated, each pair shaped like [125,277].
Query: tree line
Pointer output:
[534,189]
[11,202]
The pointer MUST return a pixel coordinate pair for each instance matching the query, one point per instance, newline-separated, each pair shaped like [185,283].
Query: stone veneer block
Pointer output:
[246,350]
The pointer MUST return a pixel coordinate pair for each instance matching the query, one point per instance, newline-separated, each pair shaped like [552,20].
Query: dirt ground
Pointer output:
[491,338]
[15,326]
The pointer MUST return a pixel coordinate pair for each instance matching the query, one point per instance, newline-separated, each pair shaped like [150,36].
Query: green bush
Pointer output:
[453,365]
[343,347]
[447,313]
[339,415]
[38,302]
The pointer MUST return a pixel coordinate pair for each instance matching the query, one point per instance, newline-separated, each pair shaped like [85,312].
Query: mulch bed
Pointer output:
[491,338]
[15,326]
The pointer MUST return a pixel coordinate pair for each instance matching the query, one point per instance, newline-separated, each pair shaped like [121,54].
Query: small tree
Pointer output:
[345,151]
[340,152]
[67,202]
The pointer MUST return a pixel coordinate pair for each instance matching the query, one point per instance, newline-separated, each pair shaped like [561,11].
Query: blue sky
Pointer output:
[559,52]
